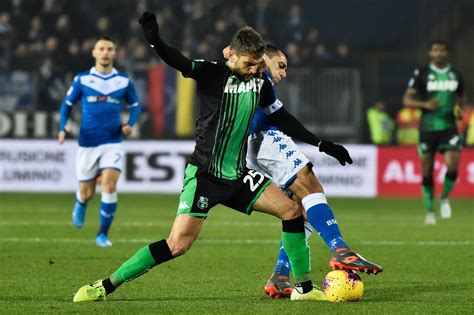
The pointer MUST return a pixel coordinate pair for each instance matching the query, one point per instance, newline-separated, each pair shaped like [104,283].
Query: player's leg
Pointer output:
[451,158]
[307,188]
[185,230]
[108,205]
[111,165]
[84,194]
[273,201]
[426,152]
[427,164]
[86,172]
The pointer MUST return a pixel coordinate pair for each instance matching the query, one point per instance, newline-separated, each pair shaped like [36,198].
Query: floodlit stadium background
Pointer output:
[343,58]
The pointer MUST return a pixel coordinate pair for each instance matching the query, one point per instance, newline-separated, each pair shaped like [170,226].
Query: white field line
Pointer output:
[168,223]
[228,241]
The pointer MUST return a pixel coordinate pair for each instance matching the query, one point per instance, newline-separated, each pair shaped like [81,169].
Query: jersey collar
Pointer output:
[111,73]
[436,69]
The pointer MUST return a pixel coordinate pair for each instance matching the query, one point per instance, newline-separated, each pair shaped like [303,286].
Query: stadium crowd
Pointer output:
[56,36]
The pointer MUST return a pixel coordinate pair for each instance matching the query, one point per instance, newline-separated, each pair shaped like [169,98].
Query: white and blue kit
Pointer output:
[100,136]
[272,152]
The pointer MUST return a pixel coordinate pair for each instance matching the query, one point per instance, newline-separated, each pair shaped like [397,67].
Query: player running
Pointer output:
[273,153]
[101,91]
[437,89]
[216,173]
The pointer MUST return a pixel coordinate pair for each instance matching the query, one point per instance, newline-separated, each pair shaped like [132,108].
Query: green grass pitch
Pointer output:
[44,260]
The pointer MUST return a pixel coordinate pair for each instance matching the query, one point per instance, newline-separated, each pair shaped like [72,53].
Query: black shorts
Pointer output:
[438,141]
[202,191]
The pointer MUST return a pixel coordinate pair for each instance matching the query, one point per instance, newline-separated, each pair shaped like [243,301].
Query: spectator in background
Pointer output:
[381,125]
[293,25]
[36,31]
[322,57]
[103,25]
[63,31]
[343,56]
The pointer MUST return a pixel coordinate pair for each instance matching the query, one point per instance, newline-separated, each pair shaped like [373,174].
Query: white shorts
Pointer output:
[276,155]
[91,160]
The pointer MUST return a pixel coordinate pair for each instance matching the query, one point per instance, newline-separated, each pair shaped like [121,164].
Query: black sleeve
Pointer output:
[206,72]
[417,82]
[460,89]
[173,57]
[268,100]
[292,127]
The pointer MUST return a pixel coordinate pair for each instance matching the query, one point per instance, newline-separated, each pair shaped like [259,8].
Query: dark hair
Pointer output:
[107,38]
[247,41]
[273,50]
[438,42]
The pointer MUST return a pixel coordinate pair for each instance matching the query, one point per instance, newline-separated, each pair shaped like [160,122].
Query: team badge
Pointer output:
[203,203]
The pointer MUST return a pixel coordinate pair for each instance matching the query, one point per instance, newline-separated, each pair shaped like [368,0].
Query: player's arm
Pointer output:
[133,107]
[292,127]
[169,54]
[411,98]
[72,96]
[459,98]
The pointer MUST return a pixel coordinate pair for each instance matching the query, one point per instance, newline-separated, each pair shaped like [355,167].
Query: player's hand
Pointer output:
[126,130]
[150,27]
[335,150]
[62,134]
[432,104]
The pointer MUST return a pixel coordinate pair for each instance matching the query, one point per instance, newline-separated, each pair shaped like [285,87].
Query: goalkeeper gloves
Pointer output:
[150,27]
[335,150]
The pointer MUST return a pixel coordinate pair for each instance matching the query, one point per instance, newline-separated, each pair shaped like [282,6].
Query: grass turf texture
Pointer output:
[44,260]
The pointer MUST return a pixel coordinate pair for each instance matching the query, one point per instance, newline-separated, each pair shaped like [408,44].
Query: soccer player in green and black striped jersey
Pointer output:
[216,172]
[437,89]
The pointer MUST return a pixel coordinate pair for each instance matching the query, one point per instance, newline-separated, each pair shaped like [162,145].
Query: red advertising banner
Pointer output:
[399,173]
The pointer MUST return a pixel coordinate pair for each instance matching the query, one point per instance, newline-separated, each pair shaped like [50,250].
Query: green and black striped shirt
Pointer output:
[227,106]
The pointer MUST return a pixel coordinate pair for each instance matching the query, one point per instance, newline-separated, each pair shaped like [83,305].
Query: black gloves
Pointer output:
[150,27]
[335,150]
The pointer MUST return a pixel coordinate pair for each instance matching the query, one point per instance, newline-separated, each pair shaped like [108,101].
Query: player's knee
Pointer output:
[87,195]
[293,211]
[180,246]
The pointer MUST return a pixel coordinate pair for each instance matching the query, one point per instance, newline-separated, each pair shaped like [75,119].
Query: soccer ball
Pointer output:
[343,286]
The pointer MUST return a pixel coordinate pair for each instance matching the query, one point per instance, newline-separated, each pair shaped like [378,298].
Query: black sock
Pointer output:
[109,287]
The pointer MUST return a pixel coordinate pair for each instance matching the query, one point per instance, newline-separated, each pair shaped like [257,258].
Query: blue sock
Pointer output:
[108,206]
[322,219]
[283,265]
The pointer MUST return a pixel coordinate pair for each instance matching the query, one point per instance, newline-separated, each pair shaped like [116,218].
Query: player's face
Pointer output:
[438,54]
[247,66]
[104,53]
[277,65]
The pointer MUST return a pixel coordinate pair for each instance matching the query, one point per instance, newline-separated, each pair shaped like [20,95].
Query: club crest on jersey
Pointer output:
[253,85]
[203,203]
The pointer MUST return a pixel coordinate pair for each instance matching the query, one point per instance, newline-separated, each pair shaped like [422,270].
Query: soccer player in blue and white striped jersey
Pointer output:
[101,91]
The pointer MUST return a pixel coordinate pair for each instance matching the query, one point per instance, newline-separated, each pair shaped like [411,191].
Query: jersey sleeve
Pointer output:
[203,71]
[416,82]
[74,93]
[131,94]
[133,105]
[268,100]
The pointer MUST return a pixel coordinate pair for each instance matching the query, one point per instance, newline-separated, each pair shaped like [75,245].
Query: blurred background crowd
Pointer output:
[51,40]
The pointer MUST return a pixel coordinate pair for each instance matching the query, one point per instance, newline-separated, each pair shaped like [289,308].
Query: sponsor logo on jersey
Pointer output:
[102,98]
[253,85]
[447,85]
